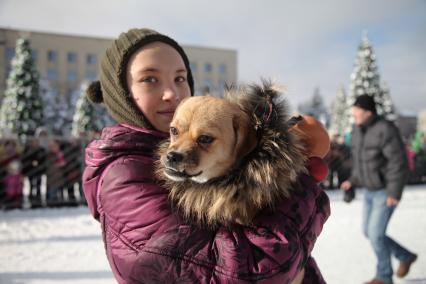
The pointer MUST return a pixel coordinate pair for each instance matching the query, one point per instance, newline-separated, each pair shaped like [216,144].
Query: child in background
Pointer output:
[55,174]
[13,186]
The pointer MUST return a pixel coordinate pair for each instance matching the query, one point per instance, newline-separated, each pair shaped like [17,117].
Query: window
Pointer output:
[91,75]
[7,71]
[193,67]
[52,56]
[222,86]
[207,87]
[72,75]
[35,55]
[10,53]
[91,59]
[208,67]
[52,74]
[222,69]
[72,57]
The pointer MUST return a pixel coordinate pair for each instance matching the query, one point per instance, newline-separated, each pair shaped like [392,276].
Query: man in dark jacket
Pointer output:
[380,166]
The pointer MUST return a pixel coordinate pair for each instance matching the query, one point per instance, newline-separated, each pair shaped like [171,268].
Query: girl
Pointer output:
[143,77]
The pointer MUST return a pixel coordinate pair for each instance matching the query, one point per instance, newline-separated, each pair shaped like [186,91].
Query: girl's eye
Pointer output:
[149,79]
[180,79]
[174,131]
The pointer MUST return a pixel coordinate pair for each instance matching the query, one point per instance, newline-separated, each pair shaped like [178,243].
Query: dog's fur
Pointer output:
[250,161]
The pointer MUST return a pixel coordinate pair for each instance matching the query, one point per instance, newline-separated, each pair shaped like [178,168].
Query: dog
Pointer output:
[229,158]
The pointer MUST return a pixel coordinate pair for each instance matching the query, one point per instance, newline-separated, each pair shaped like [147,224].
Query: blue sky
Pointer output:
[301,44]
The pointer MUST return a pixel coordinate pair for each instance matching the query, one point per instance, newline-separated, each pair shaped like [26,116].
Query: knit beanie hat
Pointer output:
[112,89]
[366,102]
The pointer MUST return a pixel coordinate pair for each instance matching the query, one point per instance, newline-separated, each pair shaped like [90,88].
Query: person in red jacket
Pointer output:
[143,77]
[13,185]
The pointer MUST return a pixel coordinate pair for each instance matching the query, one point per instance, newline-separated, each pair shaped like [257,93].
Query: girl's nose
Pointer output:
[170,94]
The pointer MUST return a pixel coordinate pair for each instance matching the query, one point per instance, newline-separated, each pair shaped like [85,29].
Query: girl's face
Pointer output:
[157,81]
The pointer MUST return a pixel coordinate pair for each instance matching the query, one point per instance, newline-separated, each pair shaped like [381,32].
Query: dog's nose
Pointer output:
[174,157]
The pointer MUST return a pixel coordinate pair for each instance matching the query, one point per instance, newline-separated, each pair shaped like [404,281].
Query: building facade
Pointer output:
[67,60]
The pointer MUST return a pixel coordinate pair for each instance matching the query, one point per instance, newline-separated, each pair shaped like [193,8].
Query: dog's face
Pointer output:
[208,137]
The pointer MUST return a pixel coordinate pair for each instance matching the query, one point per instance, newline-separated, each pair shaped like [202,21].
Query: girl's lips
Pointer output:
[167,113]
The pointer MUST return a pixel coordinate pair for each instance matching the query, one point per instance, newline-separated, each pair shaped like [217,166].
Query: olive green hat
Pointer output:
[112,90]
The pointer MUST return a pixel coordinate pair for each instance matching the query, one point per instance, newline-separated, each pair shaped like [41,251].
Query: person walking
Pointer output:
[380,166]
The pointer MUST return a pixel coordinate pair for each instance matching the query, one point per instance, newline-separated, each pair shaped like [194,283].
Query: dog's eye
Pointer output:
[204,139]
[174,131]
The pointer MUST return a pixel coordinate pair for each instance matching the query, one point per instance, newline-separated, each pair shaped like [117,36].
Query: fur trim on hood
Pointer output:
[266,175]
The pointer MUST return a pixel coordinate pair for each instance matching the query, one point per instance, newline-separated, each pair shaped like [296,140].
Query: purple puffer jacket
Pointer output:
[147,242]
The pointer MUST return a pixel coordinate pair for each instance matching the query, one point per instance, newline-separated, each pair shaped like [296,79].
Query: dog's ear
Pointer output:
[245,135]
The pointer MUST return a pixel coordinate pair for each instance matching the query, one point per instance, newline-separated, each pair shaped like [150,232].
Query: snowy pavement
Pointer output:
[46,246]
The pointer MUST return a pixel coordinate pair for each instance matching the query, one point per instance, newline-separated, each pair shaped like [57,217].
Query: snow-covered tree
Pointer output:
[84,119]
[315,107]
[338,115]
[365,80]
[22,108]
[57,113]
[103,115]
[88,117]
[387,108]
[421,121]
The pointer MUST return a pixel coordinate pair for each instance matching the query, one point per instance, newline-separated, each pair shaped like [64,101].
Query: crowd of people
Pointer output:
[53,169]
[49,167]
[56,164]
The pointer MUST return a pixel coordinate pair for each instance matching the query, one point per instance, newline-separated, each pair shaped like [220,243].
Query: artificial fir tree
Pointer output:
[57,113]
[315,107]
[338,114]
[384,100]
[88,117]
[85,118]
[421,121]
[22,108]
[102,113]
[365,80]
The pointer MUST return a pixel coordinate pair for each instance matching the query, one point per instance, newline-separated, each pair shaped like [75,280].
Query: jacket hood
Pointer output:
[116,141]
[265,175]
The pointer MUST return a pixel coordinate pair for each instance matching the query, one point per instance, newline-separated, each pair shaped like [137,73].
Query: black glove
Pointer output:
[349,195]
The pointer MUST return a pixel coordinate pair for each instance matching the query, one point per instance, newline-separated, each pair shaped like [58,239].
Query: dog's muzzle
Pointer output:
[174,158]
[173,167]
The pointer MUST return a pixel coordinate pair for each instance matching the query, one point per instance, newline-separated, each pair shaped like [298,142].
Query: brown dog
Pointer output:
[229,158]
[209,136]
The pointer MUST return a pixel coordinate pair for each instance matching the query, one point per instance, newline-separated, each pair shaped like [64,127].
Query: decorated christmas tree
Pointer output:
[365,80]
[387,108]
[85,116]
[88,117]
[315,107]
[339,114]
[22,108]
[57,114]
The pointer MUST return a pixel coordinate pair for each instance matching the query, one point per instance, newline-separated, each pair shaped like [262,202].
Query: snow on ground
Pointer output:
[345,255]
[46,246]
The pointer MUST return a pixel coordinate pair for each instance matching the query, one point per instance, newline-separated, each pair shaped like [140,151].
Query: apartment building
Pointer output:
[67,60]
